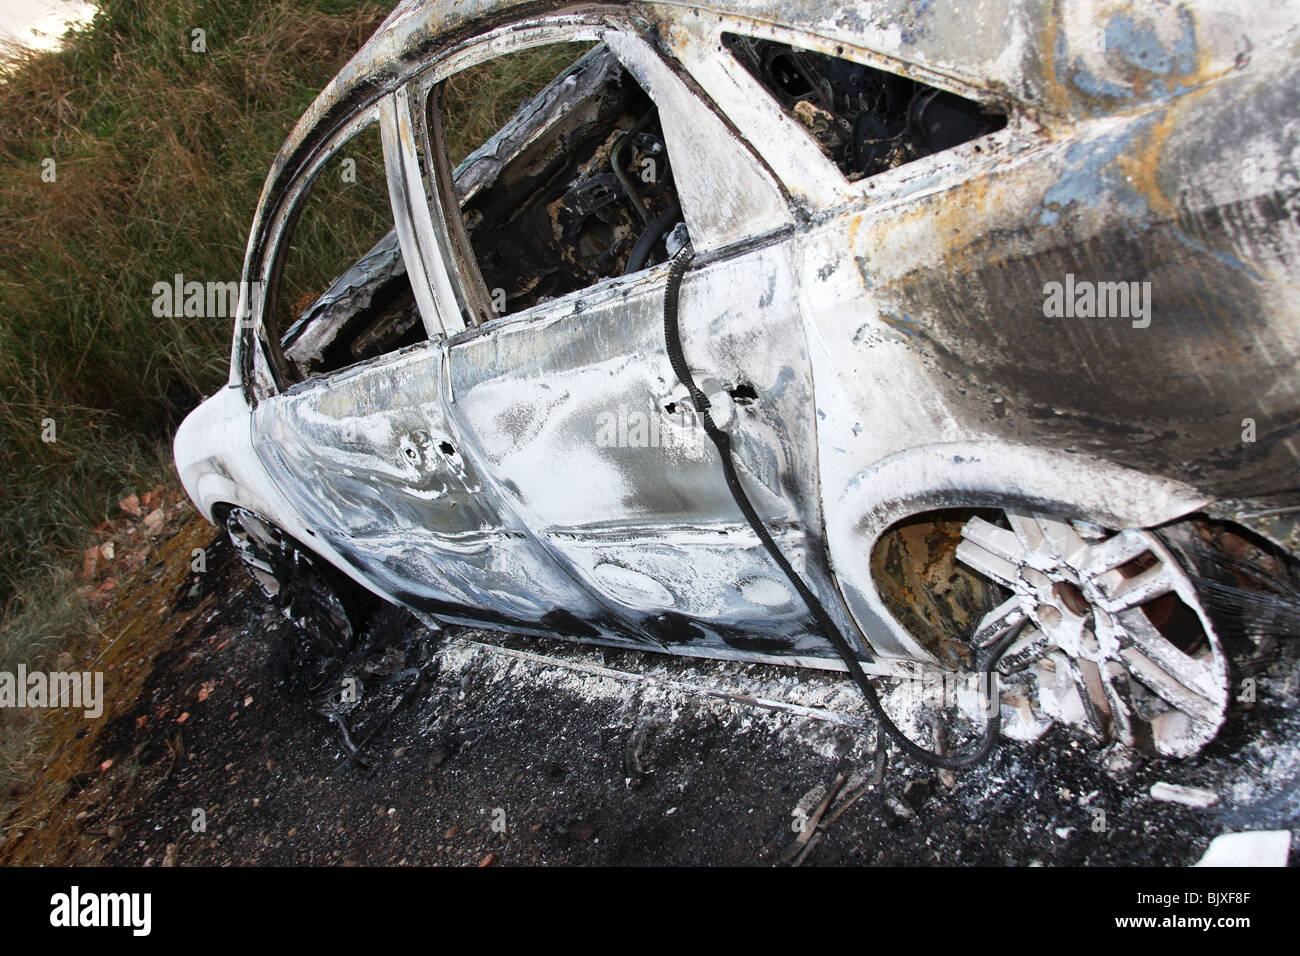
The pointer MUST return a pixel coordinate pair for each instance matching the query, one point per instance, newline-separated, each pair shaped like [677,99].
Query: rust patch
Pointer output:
[937,599]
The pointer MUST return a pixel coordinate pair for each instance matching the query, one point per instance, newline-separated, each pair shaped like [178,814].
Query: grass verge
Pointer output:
[126,156]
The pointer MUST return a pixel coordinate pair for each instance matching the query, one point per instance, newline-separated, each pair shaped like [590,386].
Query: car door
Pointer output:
[362,445]
[586,434]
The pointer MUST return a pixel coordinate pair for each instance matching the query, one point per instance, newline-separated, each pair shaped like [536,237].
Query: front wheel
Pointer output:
[308,592]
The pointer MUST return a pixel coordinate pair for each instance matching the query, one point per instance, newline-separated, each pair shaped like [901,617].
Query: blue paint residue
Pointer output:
[1092,173]
[1138,45]
[1134,45]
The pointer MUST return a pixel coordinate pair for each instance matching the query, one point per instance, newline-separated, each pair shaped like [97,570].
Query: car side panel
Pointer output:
[580,418]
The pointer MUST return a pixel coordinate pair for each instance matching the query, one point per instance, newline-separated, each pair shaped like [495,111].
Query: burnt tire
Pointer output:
[321,603]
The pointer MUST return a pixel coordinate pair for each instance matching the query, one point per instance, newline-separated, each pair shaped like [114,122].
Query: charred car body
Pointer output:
[996,311]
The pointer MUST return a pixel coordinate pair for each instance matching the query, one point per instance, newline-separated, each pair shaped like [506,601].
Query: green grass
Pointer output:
[160,155]
[477,101]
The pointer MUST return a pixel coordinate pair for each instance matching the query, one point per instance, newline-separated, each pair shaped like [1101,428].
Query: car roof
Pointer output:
[1028,51]
[1087,59]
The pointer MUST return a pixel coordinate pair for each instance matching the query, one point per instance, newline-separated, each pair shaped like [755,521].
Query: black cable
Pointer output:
[986,660]
[657,229]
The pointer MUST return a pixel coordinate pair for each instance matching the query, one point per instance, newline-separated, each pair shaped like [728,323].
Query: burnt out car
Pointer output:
[881,336]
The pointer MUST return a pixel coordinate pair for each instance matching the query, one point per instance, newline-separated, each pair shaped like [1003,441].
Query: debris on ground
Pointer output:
[479,746]
[1258,848]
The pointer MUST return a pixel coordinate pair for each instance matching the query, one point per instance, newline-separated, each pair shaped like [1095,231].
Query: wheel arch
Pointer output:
[978,475]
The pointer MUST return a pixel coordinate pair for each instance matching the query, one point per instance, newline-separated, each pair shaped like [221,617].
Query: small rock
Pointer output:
[1255,848]
[1187,796]
[131,505]
[1118,762]
[898,808]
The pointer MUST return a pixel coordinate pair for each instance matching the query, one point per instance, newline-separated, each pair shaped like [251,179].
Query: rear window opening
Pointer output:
[344,295]
[867,121]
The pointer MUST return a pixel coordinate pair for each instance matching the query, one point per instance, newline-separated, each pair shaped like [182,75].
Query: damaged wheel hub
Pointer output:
[288,576]
[1117,641]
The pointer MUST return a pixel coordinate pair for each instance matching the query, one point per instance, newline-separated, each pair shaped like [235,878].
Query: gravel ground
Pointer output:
[478,748]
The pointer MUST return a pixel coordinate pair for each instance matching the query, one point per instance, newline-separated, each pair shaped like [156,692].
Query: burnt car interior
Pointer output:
[367,312]
[342,240]
[866,120]
[575,188]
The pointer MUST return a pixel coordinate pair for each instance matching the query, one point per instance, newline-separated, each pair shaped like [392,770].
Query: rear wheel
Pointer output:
[1116,640]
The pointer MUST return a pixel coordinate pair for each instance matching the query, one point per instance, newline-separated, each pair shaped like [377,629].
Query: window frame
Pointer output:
[449,240]
[270,374]
[447,233]
[796,160]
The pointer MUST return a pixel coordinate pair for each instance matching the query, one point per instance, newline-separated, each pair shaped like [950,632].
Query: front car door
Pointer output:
[579,418]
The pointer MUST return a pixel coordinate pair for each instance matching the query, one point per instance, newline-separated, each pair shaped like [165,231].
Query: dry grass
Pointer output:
[160,155]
